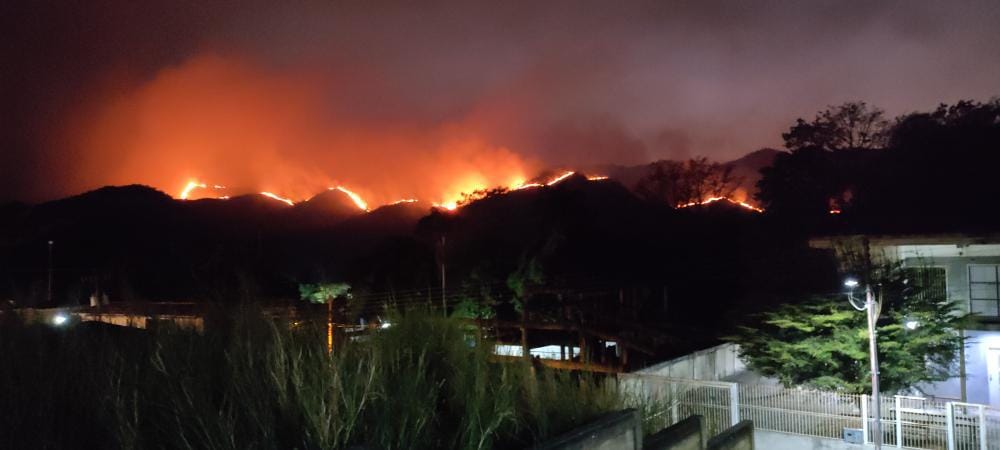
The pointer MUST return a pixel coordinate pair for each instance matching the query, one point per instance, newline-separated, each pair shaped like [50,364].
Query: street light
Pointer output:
[872,309]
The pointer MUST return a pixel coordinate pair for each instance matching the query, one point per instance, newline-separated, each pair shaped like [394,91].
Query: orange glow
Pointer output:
[715,199]
[361,204]
[278,198]
[224,118]
[835,211]
[405,200]
[597,178]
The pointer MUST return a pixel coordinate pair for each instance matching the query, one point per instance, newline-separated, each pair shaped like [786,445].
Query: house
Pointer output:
[967,269]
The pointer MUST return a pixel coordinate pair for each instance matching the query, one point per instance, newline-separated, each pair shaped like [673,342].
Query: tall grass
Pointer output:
[249,382]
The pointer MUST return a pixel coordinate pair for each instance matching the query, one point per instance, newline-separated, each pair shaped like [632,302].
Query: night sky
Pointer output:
[377,93]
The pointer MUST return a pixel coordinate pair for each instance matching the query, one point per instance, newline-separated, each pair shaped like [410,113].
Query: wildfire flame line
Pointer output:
[560,178]
[278,198]
[727,199]
[192,185]
[361,204]
[451,205]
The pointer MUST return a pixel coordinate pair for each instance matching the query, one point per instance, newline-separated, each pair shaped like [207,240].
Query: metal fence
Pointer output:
[906,422]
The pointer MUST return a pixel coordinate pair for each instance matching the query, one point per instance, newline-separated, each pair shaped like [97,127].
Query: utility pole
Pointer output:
[49,302]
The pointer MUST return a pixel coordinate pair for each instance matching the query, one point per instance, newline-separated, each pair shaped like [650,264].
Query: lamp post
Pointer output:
[872,310]
[49,296]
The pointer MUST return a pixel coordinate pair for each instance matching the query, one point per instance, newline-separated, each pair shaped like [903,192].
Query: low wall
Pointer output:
[621,430]
[737,437]
[712,364]
[773,440]
[687,434]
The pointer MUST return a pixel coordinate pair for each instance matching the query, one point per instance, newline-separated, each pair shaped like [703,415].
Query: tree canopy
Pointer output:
[823,342]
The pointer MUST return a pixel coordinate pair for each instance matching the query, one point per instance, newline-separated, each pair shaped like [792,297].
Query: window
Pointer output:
[984,290]
[929,282]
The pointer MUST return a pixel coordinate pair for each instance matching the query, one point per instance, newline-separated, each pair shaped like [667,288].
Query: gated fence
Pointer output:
[906,422]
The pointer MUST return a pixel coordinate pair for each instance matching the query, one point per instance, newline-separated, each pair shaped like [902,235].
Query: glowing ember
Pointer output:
[835,211]
[405,200]
[715,199]
[276,197]
[354,197]
[597,178]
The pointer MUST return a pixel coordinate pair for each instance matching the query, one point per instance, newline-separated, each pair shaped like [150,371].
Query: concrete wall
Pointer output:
[688,434]
[713,364]
[772,440]
[615,431]
[737,437]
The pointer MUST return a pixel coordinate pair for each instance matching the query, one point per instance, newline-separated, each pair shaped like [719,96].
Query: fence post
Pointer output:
[674,402]
[899,425]
[982,427]
[949,410]
[864,418]
[734,404]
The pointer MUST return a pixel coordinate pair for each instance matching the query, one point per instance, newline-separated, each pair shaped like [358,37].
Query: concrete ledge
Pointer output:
[687,434]
[737,437]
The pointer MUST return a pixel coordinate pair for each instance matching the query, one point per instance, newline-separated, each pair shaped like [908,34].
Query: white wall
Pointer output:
[712,364]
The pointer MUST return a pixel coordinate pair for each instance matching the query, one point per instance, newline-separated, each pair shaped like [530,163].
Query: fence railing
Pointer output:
[906,422]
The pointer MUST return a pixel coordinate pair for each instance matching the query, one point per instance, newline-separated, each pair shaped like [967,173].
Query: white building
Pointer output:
[967,268]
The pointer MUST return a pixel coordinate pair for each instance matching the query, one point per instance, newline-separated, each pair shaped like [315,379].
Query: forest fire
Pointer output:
[475,192]
[726,199]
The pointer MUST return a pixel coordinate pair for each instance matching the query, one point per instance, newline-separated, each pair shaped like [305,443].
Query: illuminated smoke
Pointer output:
[227,120]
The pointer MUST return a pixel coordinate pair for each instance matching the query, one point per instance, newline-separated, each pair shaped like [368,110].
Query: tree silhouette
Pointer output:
[850,126]
[678,183]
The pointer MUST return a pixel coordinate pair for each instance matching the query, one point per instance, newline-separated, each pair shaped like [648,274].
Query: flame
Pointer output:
[835,211]
[450,206]
[193,185]
[361,204]
[727,199]
[474,190]
[278,198]
[559,178]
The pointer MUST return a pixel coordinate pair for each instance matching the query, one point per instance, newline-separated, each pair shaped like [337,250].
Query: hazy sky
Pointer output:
[552,83]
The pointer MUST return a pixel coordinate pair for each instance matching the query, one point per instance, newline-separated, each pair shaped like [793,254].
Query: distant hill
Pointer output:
[747,168]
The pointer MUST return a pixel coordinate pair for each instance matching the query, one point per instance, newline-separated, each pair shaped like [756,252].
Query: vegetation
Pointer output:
[921,170]
[248,382]
[823,342]
[682,182]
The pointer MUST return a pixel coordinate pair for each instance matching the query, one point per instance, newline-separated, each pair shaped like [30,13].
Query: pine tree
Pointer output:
[823,341]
